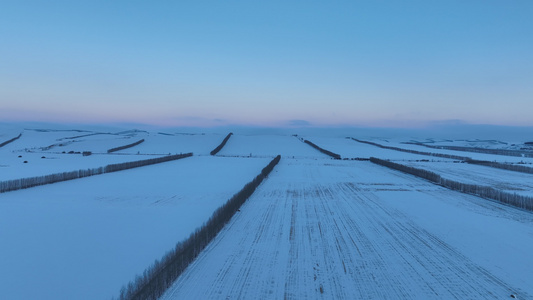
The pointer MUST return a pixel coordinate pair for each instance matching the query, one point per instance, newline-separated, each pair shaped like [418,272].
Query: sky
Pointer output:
[267,63]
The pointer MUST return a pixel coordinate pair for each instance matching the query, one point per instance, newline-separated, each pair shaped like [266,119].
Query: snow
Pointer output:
[100,142]
[85,238]
[39,162]
[13,167]
[509,181]
[199,144]
[154,143]
[269,146]
[348,148]
[316,227]
[57,159]
[354,230]
[473,155]
[494,236]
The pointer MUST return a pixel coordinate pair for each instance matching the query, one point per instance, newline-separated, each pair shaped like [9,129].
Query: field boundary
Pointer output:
[504,152]
[491,164]
[487,192]
[327,152]
[503,166]
[464,158]
[24,183]
[11,140]
[159,277]
[219,147]
[125,146]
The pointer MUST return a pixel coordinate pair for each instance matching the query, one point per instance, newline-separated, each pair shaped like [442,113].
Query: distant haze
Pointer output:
[277,63]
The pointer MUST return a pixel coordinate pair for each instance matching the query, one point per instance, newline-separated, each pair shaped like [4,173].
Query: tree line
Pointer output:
[11,140]
[159,277]
[493,164]
[525,202]
[125,146]
[464,158]
[219,147]
[504,166]
[23,183]
[327,152]
[506,152]
[145,162]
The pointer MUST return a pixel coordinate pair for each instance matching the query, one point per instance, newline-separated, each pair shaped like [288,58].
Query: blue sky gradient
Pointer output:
[277,63]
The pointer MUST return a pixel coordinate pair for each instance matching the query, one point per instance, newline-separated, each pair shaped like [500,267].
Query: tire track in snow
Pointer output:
[435,259]
[312,238]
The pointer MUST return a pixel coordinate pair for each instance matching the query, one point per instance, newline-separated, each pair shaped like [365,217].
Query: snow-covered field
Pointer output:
[513,144]
[45,151]
[354,230]
[85,238]
[13,167]
[269,146]
[510,181]
[473,155]
[348,148]
[316,228]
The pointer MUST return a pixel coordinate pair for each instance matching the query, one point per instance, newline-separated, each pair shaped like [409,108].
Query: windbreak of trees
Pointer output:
[493,164]
[159,277]
[144,162]
[23,183]
[506,152]
[334,155]
[525,202]
[125,146]
[219,147]
[431,176]
[509,167]
[414,151]
[11,140]
[83,135]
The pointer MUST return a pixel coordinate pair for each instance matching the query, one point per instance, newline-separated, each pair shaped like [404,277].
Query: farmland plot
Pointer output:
[31,155]
[33,140]
[58,140]
[100,142]
[479,143]
[13,167]
[473,155]
[154,143]
[199,144]
[353,230]
[269,146]
[84,239]
[25,157]
[509,181]
[349,148]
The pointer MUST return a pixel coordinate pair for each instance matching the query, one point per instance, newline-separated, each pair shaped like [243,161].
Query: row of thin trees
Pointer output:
[521,201]
[159,277]
[464,158]
[11,140]
[125,146]
[23,183]
[507,152]
[219,147]
[327,152]
[504,166]
[493,164]
[145,162]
